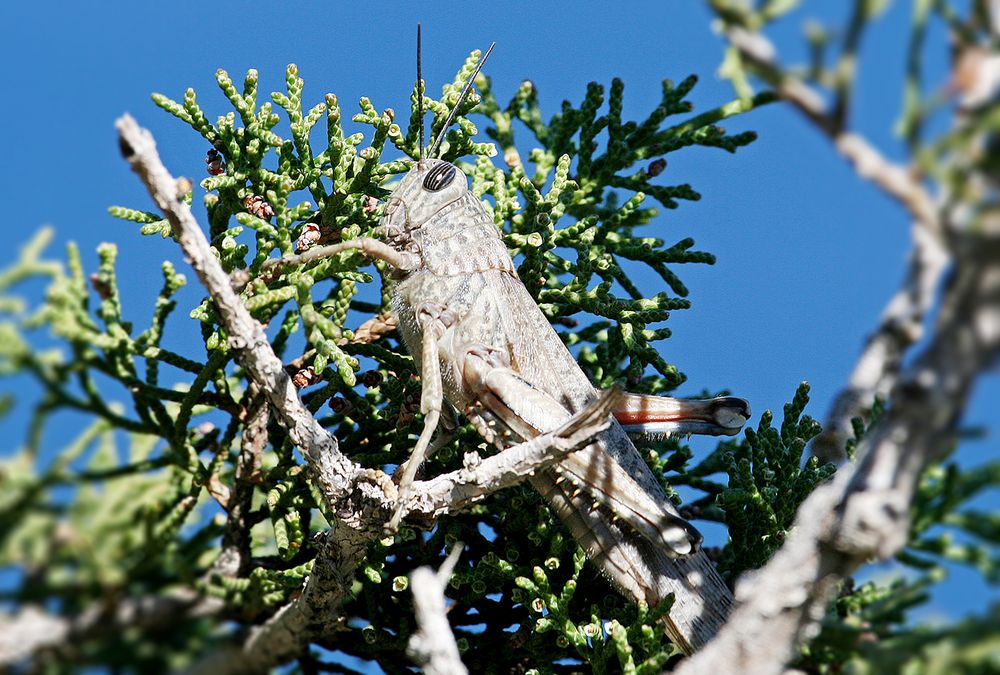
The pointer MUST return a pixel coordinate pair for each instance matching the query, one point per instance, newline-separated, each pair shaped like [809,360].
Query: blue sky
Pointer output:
[807,253]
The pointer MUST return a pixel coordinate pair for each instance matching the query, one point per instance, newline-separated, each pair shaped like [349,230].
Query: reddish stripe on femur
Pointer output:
[646,417]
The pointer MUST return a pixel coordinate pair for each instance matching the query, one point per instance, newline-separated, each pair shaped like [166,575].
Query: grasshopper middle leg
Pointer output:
[435,321]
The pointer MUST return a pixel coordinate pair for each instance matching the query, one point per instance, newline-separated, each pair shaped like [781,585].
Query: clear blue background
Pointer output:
[807,253]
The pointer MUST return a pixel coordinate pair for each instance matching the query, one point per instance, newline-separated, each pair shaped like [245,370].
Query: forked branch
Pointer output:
[361,499]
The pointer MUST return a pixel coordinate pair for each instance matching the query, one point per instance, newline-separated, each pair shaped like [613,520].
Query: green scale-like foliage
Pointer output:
[146,509]
[767,482]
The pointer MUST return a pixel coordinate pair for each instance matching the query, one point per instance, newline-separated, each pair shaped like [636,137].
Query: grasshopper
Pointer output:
[482,345]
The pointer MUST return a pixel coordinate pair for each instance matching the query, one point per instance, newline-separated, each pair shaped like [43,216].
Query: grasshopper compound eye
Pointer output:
[439,177]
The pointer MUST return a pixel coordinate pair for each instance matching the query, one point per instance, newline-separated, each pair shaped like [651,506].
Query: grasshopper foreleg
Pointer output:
[373,248]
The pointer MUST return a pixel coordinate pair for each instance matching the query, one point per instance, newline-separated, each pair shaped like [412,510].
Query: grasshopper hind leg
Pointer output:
[589,477]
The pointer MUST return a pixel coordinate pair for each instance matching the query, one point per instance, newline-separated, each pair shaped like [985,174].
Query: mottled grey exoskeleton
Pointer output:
[482,344]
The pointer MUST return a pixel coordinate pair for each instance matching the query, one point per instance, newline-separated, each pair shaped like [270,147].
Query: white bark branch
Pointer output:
[32,630]
[287,633]
[479,478]
[28,631]
[246,336]
[315,614]
[361,499]
[878,367]
[283,636]
[433,646]
[864,512]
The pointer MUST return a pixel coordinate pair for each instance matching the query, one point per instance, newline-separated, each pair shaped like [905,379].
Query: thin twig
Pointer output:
[235,554]
[457,490]
[878,367]
[433,646]
[896,181]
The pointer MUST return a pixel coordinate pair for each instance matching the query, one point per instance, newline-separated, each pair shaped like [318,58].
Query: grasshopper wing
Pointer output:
[639,566]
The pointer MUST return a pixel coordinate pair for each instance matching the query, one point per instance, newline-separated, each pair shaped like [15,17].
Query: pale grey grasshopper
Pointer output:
[482,344]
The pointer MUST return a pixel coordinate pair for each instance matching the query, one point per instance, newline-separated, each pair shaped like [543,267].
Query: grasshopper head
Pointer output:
[429,186]
[432,183]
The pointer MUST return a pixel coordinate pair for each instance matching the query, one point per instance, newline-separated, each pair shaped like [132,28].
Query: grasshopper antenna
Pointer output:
[420,98]
[461,97]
